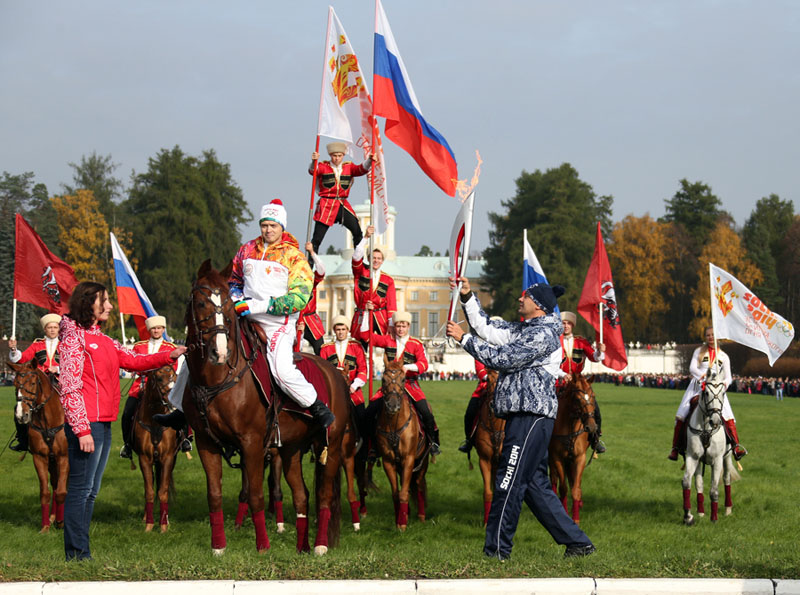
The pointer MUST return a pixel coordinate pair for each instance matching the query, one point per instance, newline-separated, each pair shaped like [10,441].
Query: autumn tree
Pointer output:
[561,212]
[181,211]
[726,251]
[637,253]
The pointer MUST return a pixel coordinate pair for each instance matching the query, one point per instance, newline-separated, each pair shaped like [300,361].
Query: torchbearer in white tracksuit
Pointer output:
[271,283]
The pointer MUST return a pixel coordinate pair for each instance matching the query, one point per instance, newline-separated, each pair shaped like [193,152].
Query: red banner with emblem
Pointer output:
[599,289]
[40,277]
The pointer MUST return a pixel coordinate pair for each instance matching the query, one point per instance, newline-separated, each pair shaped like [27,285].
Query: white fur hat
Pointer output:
[48,318]
[274,211]
[336,148]
[340,319]
[569,317]
[155,321]
[401,317]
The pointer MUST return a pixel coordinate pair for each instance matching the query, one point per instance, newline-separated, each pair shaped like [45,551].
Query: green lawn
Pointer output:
[632,511]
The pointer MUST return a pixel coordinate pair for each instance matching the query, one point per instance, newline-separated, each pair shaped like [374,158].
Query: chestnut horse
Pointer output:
[570,440]
[489,434]
[39,406]
[401,445]
[156,445]
[224,406]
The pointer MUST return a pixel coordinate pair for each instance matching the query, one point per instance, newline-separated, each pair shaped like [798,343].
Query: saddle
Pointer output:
[263,376]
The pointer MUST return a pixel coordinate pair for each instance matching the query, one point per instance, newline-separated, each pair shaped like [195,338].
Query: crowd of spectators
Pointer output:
[753,385]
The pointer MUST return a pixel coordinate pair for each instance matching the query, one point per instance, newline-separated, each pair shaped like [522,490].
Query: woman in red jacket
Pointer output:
[89,363]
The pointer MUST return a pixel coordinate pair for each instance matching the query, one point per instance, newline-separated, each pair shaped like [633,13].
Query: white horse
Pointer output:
[706,444]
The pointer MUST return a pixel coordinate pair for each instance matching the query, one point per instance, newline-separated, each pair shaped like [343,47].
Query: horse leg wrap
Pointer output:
[262,540]
[487,506]
[279,511]
[714,510]
[241,513]
[420,505]
[687,499]
[402,514]
[60,513]
[576,510]
[302,534]
[354,512]
[163,518]
[46,515]
[322,527]
[218,541]
[362,509]
[148,513]
[564,503]
[701,507]
[728,500]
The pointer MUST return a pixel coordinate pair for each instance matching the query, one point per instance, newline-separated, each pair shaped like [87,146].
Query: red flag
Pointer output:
[599,289]
[40,277]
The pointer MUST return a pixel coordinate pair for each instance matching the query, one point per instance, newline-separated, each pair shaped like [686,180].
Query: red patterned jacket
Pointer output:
[414,353]
[480,370]
[581,349]
[309,315]
[332,196]
[140,347]
[354,356]
[38,350]
[90,362]
[384,298]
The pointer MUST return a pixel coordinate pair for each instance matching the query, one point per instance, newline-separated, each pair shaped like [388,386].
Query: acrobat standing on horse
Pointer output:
[702,359]
[45,351]
[373,292]
[270,283]
[577,350]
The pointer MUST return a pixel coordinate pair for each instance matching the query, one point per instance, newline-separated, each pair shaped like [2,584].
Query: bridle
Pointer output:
[206,335]
[31,397]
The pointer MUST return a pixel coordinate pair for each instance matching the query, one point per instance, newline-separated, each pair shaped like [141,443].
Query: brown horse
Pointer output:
[156,446]
[401,445]
[355,463]
[39,405]
[570,440]
[489,435]
[224,406]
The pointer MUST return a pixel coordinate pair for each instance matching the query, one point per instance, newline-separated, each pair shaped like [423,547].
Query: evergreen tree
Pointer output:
[561,213]
[181,211]
[96,173]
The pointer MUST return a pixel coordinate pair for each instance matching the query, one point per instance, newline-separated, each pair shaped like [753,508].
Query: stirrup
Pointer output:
[186,445]
[739,451]
[673,454]
[435,450]
[125,452]
[465,446]
[17,447]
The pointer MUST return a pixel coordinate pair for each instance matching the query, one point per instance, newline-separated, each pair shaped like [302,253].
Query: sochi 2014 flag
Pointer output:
[132,298]
[737,314]
[40,277]
[599,289]
[405,126]
[459,247]
[532,271]
[345,110]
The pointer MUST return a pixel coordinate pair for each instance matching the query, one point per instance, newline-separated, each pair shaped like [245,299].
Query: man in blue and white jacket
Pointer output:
[527,355]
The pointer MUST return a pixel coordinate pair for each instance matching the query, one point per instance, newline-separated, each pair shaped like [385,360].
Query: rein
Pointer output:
[395,387]
[568,440]
[30,398]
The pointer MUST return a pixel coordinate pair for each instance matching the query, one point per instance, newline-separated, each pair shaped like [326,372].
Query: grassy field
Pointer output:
[632,511]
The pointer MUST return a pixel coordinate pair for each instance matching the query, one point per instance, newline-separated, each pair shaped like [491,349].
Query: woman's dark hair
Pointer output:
[81,302]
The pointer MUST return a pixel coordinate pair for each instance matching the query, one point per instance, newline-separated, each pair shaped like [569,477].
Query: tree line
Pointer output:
[660,265]
[185,207]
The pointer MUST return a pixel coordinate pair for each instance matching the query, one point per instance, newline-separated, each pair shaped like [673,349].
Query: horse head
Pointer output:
[491,382]
[30,382]
[583,400]
[210,316]
[159,383]
[392,385]
[713,394]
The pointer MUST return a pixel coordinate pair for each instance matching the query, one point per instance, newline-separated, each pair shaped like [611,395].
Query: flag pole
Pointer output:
[370,363]
[319,121]
[122,327]
[14,320]
[711,299]
[600,306]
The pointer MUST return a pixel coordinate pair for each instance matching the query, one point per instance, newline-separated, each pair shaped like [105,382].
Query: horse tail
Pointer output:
[334,523]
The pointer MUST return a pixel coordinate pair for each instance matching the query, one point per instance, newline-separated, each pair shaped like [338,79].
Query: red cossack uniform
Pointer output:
[141,347]
[414,353]
[581,349]
[38,350]
[354,357]
[90,362]
[333,196]
[309,315]
[383,298]
[480,370]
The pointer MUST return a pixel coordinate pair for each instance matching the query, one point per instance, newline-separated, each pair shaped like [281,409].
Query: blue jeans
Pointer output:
[85,474]
[522,477]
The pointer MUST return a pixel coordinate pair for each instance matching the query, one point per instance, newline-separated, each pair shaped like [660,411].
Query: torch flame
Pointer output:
[463,187]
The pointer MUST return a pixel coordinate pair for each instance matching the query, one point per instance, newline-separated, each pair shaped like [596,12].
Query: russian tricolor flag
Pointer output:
[394,99]
[132,298]
[532,271]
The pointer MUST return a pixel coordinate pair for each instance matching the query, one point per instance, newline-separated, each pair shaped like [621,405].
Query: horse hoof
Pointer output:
[164,528]
[356,526]
[688,521]
[728,510]
[45,529]
[59,524]
[52,518]
[320,550]
[402,527]
[218,552]
[281,527]
[421,518]
[701,514]
[148,527]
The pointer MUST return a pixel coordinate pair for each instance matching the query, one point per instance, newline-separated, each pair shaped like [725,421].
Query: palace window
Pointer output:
[413,296]
[433,323]
[414,330]
[434,296]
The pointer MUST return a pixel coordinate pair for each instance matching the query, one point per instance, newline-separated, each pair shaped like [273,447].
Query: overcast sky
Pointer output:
[635,94]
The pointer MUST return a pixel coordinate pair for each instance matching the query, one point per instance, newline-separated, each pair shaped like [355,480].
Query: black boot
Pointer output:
[131,404]
[465,446]
[175,420]
[20,443]
[322,415]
